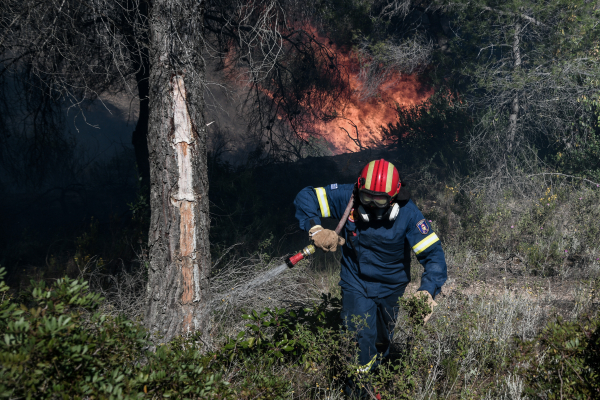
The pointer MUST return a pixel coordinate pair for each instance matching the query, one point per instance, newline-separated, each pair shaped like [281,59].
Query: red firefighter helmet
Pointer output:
[378,183]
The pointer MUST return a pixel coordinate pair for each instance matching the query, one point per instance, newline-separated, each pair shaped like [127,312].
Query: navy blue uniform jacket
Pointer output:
[376,255]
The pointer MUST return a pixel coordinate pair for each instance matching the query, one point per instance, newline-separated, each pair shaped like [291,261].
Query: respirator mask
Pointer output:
[377,206]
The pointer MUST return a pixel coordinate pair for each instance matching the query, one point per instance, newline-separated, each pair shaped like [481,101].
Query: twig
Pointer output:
[524,16]
[561,384]
[565,175]
[356,140]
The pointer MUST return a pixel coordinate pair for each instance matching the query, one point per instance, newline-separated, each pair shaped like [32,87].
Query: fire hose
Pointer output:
[310,249]
[293,260]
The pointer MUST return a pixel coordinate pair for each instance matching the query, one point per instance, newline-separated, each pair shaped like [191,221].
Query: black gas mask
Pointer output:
[376,206]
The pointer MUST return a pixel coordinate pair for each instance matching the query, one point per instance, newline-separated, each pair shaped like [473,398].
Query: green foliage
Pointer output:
[308,340]
[416,309]
[560,30]
[346,20]
[179,369]
[539,56]
[580,155]
[55,345]
[563,360]
[399,379]
[257,381]
[298,336]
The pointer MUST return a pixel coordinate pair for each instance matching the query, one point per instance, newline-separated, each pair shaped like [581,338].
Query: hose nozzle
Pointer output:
[308,250]
[305,252]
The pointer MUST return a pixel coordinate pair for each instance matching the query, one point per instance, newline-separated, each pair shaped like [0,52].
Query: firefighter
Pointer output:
[381,230]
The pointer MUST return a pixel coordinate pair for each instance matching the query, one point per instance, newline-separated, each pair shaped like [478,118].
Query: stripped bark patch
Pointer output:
[182,141]
[187,275]
[187,234]
[187,322]
[184,199]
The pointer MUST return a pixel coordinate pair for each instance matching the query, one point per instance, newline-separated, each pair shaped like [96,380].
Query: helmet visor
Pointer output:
[377,200]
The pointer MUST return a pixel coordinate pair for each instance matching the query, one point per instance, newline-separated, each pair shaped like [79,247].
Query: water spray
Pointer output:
[272,273]
[293,260]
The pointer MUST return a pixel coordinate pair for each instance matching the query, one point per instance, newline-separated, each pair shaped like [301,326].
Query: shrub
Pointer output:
[56,345]
[563,360]
[306,339]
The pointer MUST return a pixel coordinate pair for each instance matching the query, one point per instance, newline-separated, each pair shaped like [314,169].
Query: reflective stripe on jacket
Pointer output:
[376,256]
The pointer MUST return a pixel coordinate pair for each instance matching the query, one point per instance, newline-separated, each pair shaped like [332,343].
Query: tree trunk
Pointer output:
[178,237]
[514,111]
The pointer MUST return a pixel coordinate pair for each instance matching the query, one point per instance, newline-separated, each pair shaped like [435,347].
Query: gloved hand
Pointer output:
[325,239]
[429,301]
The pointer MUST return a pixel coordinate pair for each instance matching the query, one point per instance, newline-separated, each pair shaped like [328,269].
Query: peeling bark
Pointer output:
[178,237]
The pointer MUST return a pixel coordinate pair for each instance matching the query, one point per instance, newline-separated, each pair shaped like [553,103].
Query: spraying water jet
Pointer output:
[293,260]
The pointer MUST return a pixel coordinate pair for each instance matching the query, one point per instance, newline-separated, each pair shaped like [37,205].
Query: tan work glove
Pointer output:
[430,302]
[325,239]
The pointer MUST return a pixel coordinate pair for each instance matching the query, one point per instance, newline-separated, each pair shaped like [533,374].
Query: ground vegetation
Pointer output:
[518,317]
[502,160]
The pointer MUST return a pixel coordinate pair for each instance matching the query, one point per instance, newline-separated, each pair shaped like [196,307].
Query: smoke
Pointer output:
[375,84]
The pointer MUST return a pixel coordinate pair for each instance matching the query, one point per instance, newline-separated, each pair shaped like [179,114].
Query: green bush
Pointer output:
[308,339]
[56,345]
[466,350]
[563,360]
[280,335]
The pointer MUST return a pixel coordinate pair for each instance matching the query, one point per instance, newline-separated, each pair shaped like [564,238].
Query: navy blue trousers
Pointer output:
[379,318]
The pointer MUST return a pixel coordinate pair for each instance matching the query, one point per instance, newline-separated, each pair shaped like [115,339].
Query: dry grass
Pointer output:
[231,297]
[507,278]
[124,293]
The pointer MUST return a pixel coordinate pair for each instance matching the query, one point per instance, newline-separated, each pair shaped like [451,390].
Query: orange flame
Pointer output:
[368,115]
[358,114]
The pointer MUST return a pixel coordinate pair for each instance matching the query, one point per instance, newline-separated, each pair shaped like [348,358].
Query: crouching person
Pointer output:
[381,230]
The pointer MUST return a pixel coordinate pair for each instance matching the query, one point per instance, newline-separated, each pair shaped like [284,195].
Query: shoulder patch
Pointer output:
[423,227]
[352,216]
[333,186]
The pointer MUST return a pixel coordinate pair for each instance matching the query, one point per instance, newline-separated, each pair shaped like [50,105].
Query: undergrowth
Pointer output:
[517,319]
[492,345]
[56,345]
[551,233]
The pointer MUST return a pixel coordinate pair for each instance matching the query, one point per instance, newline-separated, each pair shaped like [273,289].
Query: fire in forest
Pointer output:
[365,115]
[364,109]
